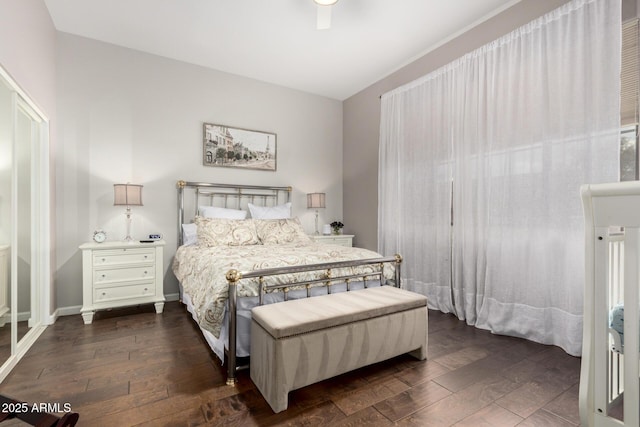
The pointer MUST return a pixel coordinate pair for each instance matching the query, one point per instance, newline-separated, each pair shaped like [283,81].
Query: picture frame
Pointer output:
[233,147]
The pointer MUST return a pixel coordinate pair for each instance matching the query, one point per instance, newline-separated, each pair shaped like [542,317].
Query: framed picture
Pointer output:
[231,147]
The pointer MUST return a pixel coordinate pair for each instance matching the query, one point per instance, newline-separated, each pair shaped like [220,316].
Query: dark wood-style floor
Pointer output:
[133,367]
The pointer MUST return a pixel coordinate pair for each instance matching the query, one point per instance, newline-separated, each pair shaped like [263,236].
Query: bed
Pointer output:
[228,263]
[609,379]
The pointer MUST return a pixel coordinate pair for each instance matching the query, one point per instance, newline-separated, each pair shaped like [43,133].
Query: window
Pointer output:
[629,170]
[629,153]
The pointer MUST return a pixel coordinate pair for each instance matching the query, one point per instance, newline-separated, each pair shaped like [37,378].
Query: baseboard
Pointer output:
[66,311]
[172,297]
[22,316]
[73,310]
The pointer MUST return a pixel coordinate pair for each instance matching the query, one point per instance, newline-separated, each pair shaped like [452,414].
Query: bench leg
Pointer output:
[420,354]
[267,371]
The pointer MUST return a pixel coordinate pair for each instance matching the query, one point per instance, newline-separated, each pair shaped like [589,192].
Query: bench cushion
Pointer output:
[312,314]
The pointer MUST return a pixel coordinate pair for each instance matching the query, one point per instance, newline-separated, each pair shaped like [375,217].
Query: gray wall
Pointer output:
[27,49]
[362,115]
[127,116]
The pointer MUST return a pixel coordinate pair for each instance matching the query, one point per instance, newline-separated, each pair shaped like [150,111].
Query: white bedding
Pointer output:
[201,273]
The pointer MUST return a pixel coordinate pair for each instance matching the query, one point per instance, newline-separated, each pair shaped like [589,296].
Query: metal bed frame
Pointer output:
[239,195]
[228,196]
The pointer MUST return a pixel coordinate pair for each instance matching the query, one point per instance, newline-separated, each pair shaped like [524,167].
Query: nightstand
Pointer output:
[118,274]
[333,239]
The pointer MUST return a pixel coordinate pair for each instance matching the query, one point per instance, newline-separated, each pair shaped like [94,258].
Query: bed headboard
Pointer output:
[194,194]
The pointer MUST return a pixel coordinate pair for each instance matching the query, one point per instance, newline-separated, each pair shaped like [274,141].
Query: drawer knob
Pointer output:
[104,293]
[146,289]
[145,257]
[104,275]
[103,259]
[145,272]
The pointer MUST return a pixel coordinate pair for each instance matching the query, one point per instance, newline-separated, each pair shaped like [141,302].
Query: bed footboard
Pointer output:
[332,273]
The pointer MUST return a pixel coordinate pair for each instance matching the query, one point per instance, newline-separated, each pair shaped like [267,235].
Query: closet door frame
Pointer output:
[40,227]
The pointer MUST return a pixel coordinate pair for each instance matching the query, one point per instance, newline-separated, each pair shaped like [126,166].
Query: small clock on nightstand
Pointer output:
[99,236]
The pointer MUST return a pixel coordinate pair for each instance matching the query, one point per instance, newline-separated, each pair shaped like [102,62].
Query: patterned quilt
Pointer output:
[201,271]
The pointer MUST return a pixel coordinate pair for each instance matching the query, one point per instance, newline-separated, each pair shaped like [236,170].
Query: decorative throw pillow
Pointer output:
[279,231]
[216,212]
[226,232]
[270,212]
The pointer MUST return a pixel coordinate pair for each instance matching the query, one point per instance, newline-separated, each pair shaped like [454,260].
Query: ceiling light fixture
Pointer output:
[324,13]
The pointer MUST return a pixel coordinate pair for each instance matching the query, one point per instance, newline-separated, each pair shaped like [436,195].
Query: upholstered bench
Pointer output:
[300,342]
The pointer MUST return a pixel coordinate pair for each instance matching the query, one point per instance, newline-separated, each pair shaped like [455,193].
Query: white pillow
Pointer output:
[223,213]
[189,234]
[270,212]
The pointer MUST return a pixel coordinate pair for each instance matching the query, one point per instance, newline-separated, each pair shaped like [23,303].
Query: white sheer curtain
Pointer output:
[505,135]
[415,187]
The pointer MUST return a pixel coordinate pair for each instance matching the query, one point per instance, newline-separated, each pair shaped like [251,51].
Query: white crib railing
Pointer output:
[613,383]
[609,382]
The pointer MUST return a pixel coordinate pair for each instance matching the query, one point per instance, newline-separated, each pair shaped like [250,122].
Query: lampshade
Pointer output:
[127,195]
[316,200]
[326,2]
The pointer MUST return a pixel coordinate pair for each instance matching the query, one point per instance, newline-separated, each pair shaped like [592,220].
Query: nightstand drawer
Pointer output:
[342,241]
[123,292]
[107,276]
[333,239]
[123,256]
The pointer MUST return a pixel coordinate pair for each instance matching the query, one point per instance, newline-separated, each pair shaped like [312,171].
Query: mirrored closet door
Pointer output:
[6,156]
[24,222]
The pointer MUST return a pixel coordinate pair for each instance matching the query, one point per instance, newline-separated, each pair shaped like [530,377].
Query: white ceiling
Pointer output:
[276,41]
